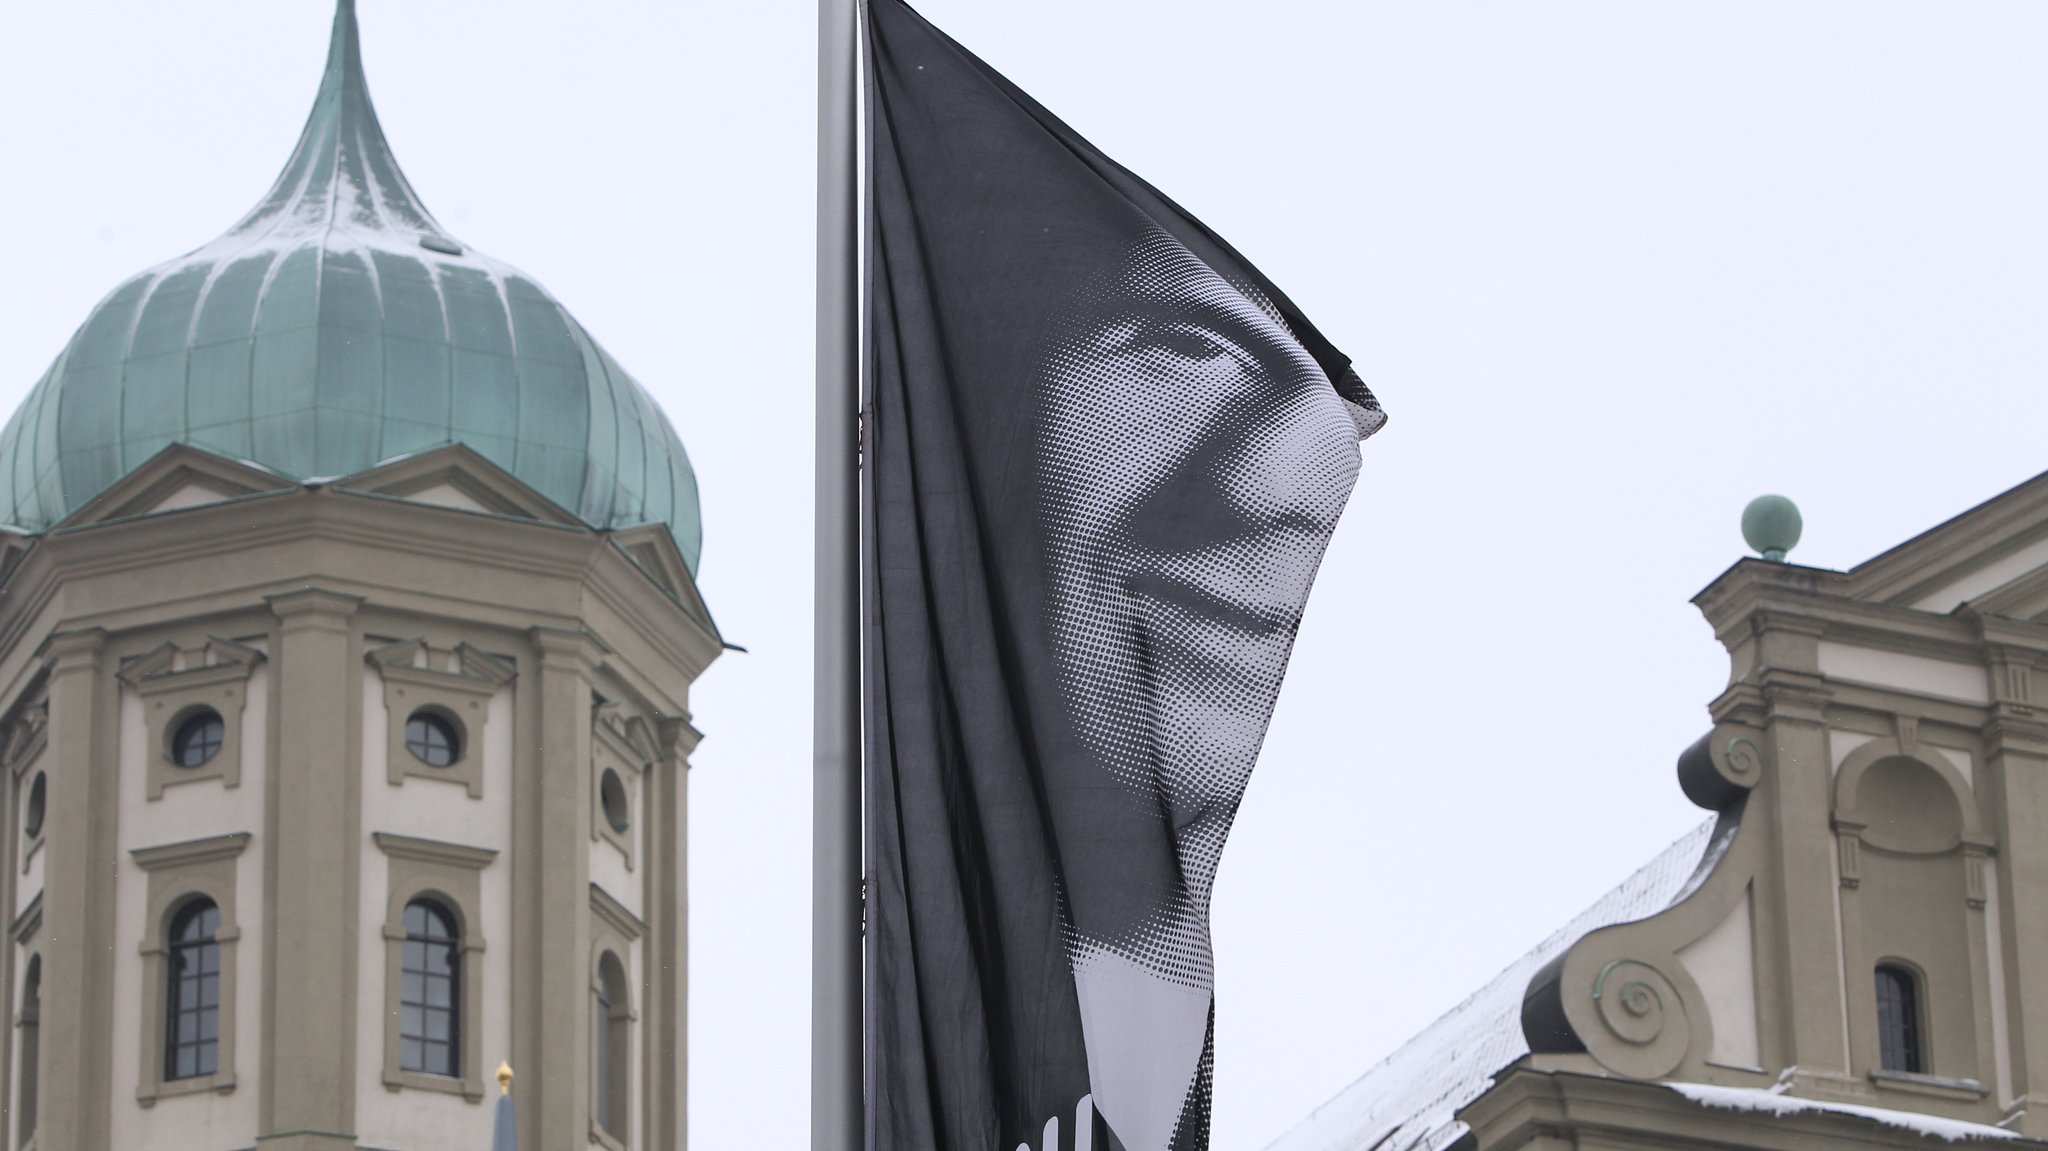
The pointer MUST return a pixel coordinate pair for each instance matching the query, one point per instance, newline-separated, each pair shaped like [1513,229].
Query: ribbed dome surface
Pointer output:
[336,327]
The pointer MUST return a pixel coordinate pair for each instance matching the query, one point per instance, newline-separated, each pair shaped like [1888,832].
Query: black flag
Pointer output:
[1104,457]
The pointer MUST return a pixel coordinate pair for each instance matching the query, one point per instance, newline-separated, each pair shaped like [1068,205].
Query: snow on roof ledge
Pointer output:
[1409,1102]
[1773,1101]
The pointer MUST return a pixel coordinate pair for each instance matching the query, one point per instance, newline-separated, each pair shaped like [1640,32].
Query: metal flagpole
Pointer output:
[836,1002]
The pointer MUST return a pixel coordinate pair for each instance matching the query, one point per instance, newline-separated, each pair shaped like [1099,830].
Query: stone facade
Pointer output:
[1856,954]
[316,620]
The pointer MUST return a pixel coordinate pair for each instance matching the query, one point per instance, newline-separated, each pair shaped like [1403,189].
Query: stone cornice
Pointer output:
[24,926]
[313,606]
[572,649]
[1998,526]
[106,578]
[203,850]
[433,851]
[73,649]
[1526,1105]
[615,914]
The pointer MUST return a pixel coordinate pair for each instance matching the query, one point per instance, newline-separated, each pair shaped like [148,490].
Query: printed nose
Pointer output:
[1298,465]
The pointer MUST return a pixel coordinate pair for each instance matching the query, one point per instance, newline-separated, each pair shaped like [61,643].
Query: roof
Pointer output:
[1409,1102]
[338,326]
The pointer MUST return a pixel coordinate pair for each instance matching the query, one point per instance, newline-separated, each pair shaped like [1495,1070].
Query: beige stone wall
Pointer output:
[312,818]
[1880,762]
[188,812]
[445,812]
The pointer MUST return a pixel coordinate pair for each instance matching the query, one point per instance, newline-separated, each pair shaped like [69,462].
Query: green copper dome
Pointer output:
[336,327]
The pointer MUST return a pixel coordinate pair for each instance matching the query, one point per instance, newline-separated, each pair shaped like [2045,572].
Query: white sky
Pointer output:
[1613,267]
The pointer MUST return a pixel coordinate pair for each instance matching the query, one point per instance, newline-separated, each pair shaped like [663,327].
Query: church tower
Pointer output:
[348,618]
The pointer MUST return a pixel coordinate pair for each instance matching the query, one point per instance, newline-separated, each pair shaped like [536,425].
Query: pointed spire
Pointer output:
[342,172]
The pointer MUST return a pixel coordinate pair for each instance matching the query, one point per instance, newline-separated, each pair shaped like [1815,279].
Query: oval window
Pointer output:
[32,819]
[432,739]
[611,791]
[198,739]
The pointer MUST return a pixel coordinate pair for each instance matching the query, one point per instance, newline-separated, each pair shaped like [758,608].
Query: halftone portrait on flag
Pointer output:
[1105,459]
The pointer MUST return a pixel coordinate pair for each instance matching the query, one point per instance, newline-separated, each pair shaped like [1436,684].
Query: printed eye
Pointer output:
[1184,341]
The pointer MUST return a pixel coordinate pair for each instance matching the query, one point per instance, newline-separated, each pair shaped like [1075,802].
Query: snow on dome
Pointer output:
[336,327]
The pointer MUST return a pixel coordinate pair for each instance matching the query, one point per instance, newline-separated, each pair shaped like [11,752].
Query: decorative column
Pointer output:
[79,855]
[552,913]
[1804,886]
[666,959]
[2016,764]
[311,901]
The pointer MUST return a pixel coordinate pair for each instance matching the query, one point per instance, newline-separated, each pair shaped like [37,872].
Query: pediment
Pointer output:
[167,660]
[456,476]
[464,660]
[652,549]
[176,478]
[1993,557]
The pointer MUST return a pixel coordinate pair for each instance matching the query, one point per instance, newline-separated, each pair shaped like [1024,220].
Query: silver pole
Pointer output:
[836,1006]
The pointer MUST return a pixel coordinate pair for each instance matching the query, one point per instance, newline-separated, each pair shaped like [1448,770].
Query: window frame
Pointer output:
[177,984]
[439,725]
[1914,1026]
[614,750]
[219,682]
[27,1097]
[450,875]
[180,874]
[617,932]
[462,698]
[449,941]
[612,1016]
[199,713]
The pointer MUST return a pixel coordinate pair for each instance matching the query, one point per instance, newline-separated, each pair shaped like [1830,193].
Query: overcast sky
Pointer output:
[1614,268]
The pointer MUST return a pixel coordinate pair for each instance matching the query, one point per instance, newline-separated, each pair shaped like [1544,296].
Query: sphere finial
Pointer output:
[1771,525]
[504,1078]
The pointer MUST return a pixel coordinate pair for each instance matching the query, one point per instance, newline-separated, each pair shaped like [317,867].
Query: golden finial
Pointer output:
[505,1078]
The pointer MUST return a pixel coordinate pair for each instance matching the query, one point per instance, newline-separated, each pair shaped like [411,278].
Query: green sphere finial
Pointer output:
[1771,525]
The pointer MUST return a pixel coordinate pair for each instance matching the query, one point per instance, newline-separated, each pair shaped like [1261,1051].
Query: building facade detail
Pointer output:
[344,698]
[1853,953]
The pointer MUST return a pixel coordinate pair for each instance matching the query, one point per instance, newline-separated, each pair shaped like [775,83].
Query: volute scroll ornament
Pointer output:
[1644,1031]
[1721,767]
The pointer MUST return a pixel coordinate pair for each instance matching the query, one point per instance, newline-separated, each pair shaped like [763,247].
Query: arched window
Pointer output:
[192,1002]
[1898,1019]
[429,1015]
[614,1066]
[31,1049]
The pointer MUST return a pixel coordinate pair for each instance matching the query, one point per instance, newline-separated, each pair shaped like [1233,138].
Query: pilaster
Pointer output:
[80,856]
[2016,760]
[667,958]
[1803,884]
[312,883]
[552,922]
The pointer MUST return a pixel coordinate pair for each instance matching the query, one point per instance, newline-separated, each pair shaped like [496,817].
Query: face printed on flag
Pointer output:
[1192,462]
[1103,458]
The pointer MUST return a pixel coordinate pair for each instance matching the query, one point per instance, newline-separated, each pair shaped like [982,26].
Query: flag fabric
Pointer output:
[505,1126]
[1103,456]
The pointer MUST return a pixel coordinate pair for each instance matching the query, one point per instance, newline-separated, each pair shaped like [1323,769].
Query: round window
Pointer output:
[32,820]
[198,739]
[432,739]
[611,791]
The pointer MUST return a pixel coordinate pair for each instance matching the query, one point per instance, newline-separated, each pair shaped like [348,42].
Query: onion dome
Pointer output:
[337,327]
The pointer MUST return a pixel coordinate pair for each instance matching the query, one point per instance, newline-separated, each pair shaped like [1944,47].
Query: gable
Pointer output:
[1971,559]
[457,477]
[176,478]
[652,549]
